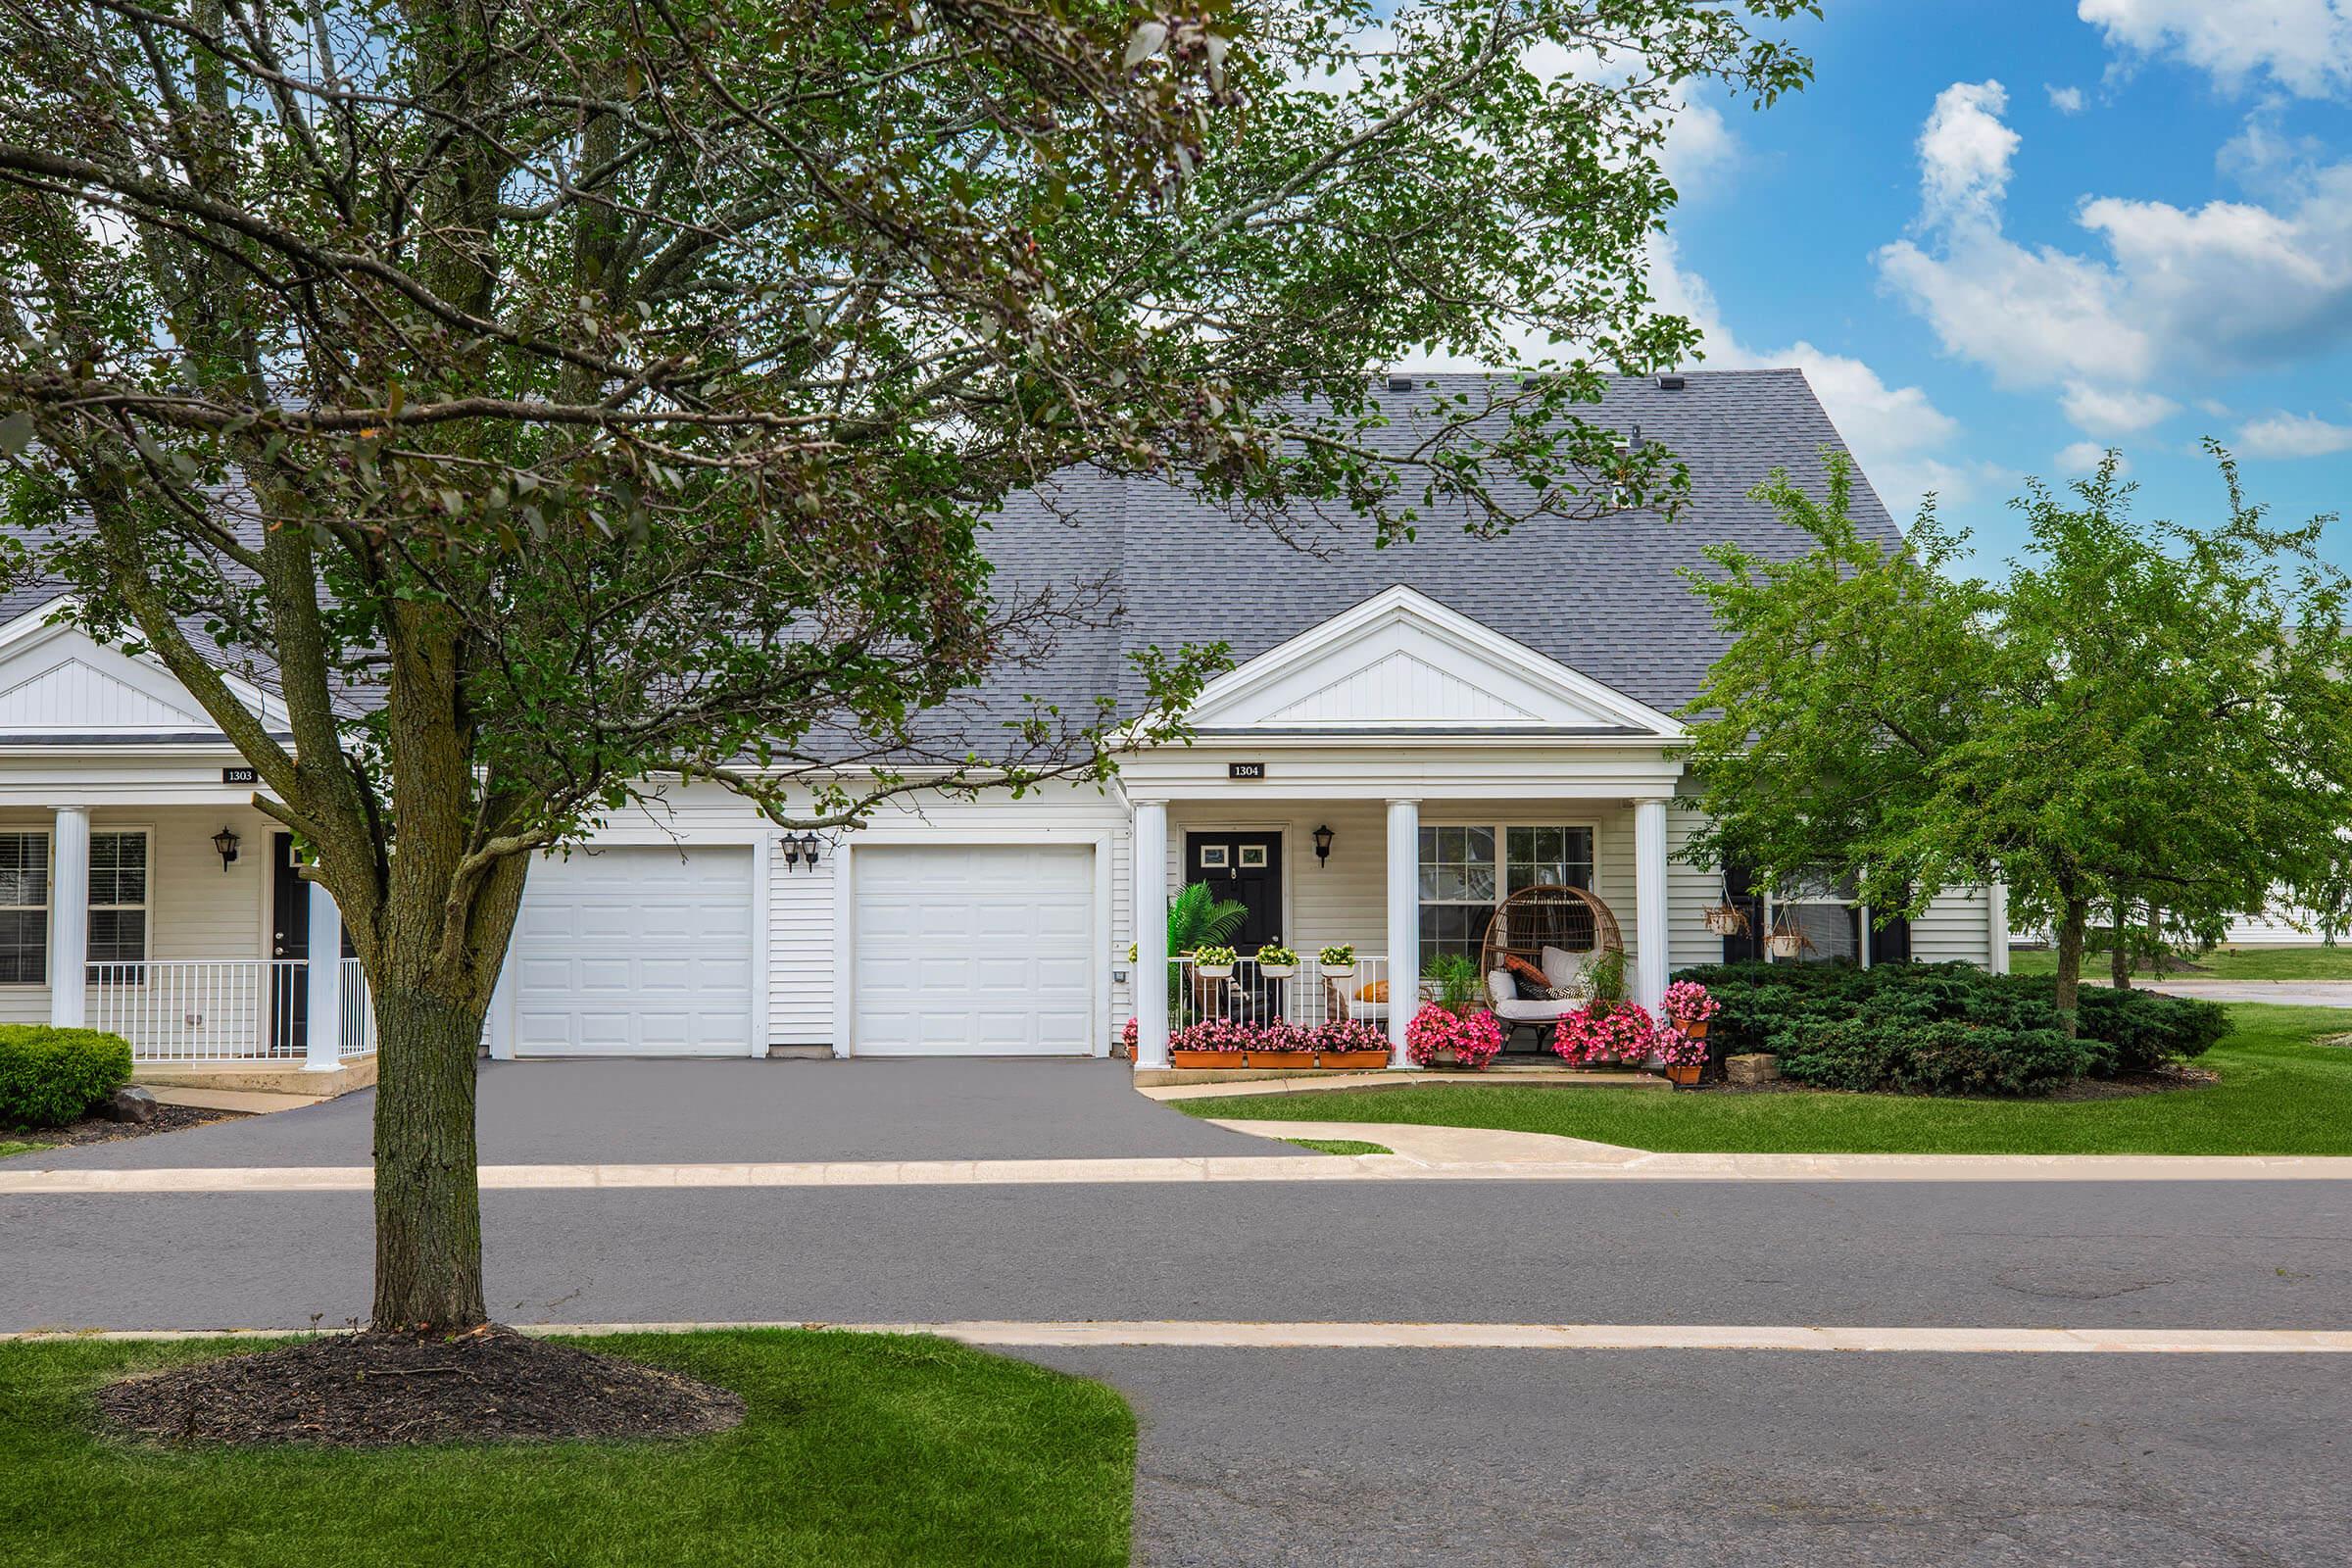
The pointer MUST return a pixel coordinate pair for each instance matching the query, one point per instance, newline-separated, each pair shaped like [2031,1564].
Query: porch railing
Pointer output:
[1306,998]
[222,1009]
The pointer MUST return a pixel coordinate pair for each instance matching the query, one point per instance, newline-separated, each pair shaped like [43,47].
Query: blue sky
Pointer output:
[2002,234]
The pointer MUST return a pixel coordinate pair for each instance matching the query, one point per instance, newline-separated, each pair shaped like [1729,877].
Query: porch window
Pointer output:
[118,906]
[1461,881]
[24,908]
[1836,927]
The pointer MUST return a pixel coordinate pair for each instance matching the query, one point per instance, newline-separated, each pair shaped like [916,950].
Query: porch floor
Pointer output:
[1190,1083]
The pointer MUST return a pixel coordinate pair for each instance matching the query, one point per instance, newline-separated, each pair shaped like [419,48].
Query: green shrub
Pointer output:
[49,1077]
[1945,1028]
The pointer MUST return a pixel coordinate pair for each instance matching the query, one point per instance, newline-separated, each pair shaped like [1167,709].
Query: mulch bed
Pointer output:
[98,1130]
[366,1391]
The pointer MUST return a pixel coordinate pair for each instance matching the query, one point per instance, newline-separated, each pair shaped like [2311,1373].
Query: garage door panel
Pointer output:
[981,950]
[636,952]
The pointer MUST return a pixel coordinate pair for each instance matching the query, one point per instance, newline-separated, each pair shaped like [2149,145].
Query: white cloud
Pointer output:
[2065,99]
[2084,457]
[2114,410]
[2293,435]
[2303,45]
[2178,293]
[1895,431]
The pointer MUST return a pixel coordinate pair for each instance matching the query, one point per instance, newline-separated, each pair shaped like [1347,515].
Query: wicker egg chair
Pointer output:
[1548,915]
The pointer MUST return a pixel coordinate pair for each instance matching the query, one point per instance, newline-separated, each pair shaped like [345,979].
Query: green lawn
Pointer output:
[7,1148]
[2278,1095]
[1339,1146]
[859,1450]
[2223,963]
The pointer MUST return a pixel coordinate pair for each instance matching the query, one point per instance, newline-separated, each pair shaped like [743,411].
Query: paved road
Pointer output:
[2285,992]
[684,1112]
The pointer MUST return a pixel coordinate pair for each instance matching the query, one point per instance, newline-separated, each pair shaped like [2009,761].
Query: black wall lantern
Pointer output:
[796,849]
[1322,845]
[225,845]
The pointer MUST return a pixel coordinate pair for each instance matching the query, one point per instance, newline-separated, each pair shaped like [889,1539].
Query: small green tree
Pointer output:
[2136,713]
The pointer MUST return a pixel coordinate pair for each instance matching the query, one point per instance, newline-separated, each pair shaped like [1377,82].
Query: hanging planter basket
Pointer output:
[1726,919]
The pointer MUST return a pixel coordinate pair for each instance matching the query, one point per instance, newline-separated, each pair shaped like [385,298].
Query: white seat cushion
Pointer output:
[1368,1011]
[1500,987]
[1527,1011]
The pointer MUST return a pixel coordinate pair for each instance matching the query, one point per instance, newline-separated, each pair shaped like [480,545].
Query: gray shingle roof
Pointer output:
[1600,595]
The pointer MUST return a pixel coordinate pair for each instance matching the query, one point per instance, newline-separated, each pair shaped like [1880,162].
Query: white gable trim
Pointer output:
[1402,661]
[57,680]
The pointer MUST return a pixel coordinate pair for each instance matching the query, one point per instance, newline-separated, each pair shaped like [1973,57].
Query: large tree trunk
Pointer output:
[2119,937]
[2071,929]
[429,1219]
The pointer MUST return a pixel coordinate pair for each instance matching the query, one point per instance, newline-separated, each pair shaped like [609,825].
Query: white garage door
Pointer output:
[973,950]
[635,953]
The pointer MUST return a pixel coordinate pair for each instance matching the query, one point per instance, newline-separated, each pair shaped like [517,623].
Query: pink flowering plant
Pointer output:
[1474,1040]
[1128,1037]
[1350,1034]
[1678,1050]
[1617,1031]
[1233,1035]
[1687,1001]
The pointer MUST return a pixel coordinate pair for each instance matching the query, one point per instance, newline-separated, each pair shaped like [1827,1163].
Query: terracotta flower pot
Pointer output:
[1204,1058]
[1354,1060]
[1695,1029]
[1282,1059]
[1683,1074]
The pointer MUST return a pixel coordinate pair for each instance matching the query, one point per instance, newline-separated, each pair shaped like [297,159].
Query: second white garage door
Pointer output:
[978,950]
[635,953]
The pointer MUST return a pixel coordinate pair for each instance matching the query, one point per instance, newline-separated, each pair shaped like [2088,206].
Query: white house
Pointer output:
[1408,735]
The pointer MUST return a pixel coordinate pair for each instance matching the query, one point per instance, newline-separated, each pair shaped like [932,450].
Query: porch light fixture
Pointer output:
[796,849]
[225,845]
[1322,845]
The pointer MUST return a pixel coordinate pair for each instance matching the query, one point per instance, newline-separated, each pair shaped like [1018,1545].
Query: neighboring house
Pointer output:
[1408,736]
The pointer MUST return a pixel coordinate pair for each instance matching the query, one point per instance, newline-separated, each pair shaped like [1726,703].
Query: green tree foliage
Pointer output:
[2137,710]
[615,392]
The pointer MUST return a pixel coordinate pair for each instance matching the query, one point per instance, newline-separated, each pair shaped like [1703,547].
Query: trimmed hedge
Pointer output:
[49,1077]
[1945,1028]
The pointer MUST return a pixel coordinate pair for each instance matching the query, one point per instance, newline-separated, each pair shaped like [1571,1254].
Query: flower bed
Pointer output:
[1436,1035]
[1609,1032]
[1231,1043]
[1351,1042]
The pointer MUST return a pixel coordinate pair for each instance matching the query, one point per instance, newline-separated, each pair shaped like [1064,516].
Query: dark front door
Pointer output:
[1243,866]
[289,938]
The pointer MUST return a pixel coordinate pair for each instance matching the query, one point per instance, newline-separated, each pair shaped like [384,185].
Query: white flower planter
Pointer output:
[1213,971]
[1278,972]
[1336,971]
[1788,946]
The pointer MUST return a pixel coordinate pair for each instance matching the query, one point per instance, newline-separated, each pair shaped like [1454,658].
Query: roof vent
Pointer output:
[1400,384]
[1671,383]
[1634,443]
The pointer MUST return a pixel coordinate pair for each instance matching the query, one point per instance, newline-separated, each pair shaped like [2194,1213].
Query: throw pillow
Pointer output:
[1376,991]
[1533,984]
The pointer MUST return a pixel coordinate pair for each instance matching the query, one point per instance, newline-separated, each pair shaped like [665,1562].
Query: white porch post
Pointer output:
[1405,923]
[323,1032]
[1147,887]
[69,918]
[1651,931]
[1996,923]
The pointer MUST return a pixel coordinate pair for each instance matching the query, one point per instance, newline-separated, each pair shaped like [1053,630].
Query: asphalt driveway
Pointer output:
[696,1111]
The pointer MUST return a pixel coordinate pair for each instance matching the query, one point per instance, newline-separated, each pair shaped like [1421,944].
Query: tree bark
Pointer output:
[428,1219]
[2119,937]
[2071,929]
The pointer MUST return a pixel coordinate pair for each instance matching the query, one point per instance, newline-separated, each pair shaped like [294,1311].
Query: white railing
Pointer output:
[356,1037]
[222,1009]
[1306,998]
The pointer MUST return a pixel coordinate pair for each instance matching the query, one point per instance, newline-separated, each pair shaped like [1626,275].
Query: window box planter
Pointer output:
[1278,972]
[1206,1058]
[1282,1059]
[1352,1060]
[1336,963]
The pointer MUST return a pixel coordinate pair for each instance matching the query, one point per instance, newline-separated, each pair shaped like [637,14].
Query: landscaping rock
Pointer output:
[131,1104]
[1756,1067]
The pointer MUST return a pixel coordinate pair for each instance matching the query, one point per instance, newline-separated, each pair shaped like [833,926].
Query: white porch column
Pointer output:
[1652,932]
[1405,923]
[323,1032]
[70,917]
[1996,928]
[1147,889]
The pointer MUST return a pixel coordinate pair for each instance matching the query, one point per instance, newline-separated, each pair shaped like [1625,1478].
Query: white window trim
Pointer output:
[1502,859]
[48,900]
[145,907]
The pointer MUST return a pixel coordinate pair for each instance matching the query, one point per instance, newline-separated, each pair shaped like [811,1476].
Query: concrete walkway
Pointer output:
[2284,993]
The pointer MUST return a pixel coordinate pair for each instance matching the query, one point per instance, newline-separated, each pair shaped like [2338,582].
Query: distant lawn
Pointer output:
[2223,963]
[2278,1095]
[859,1450]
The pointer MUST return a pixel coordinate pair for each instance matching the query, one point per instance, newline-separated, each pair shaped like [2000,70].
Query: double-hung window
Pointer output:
[24,908]
[1466,871]
[118,906]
